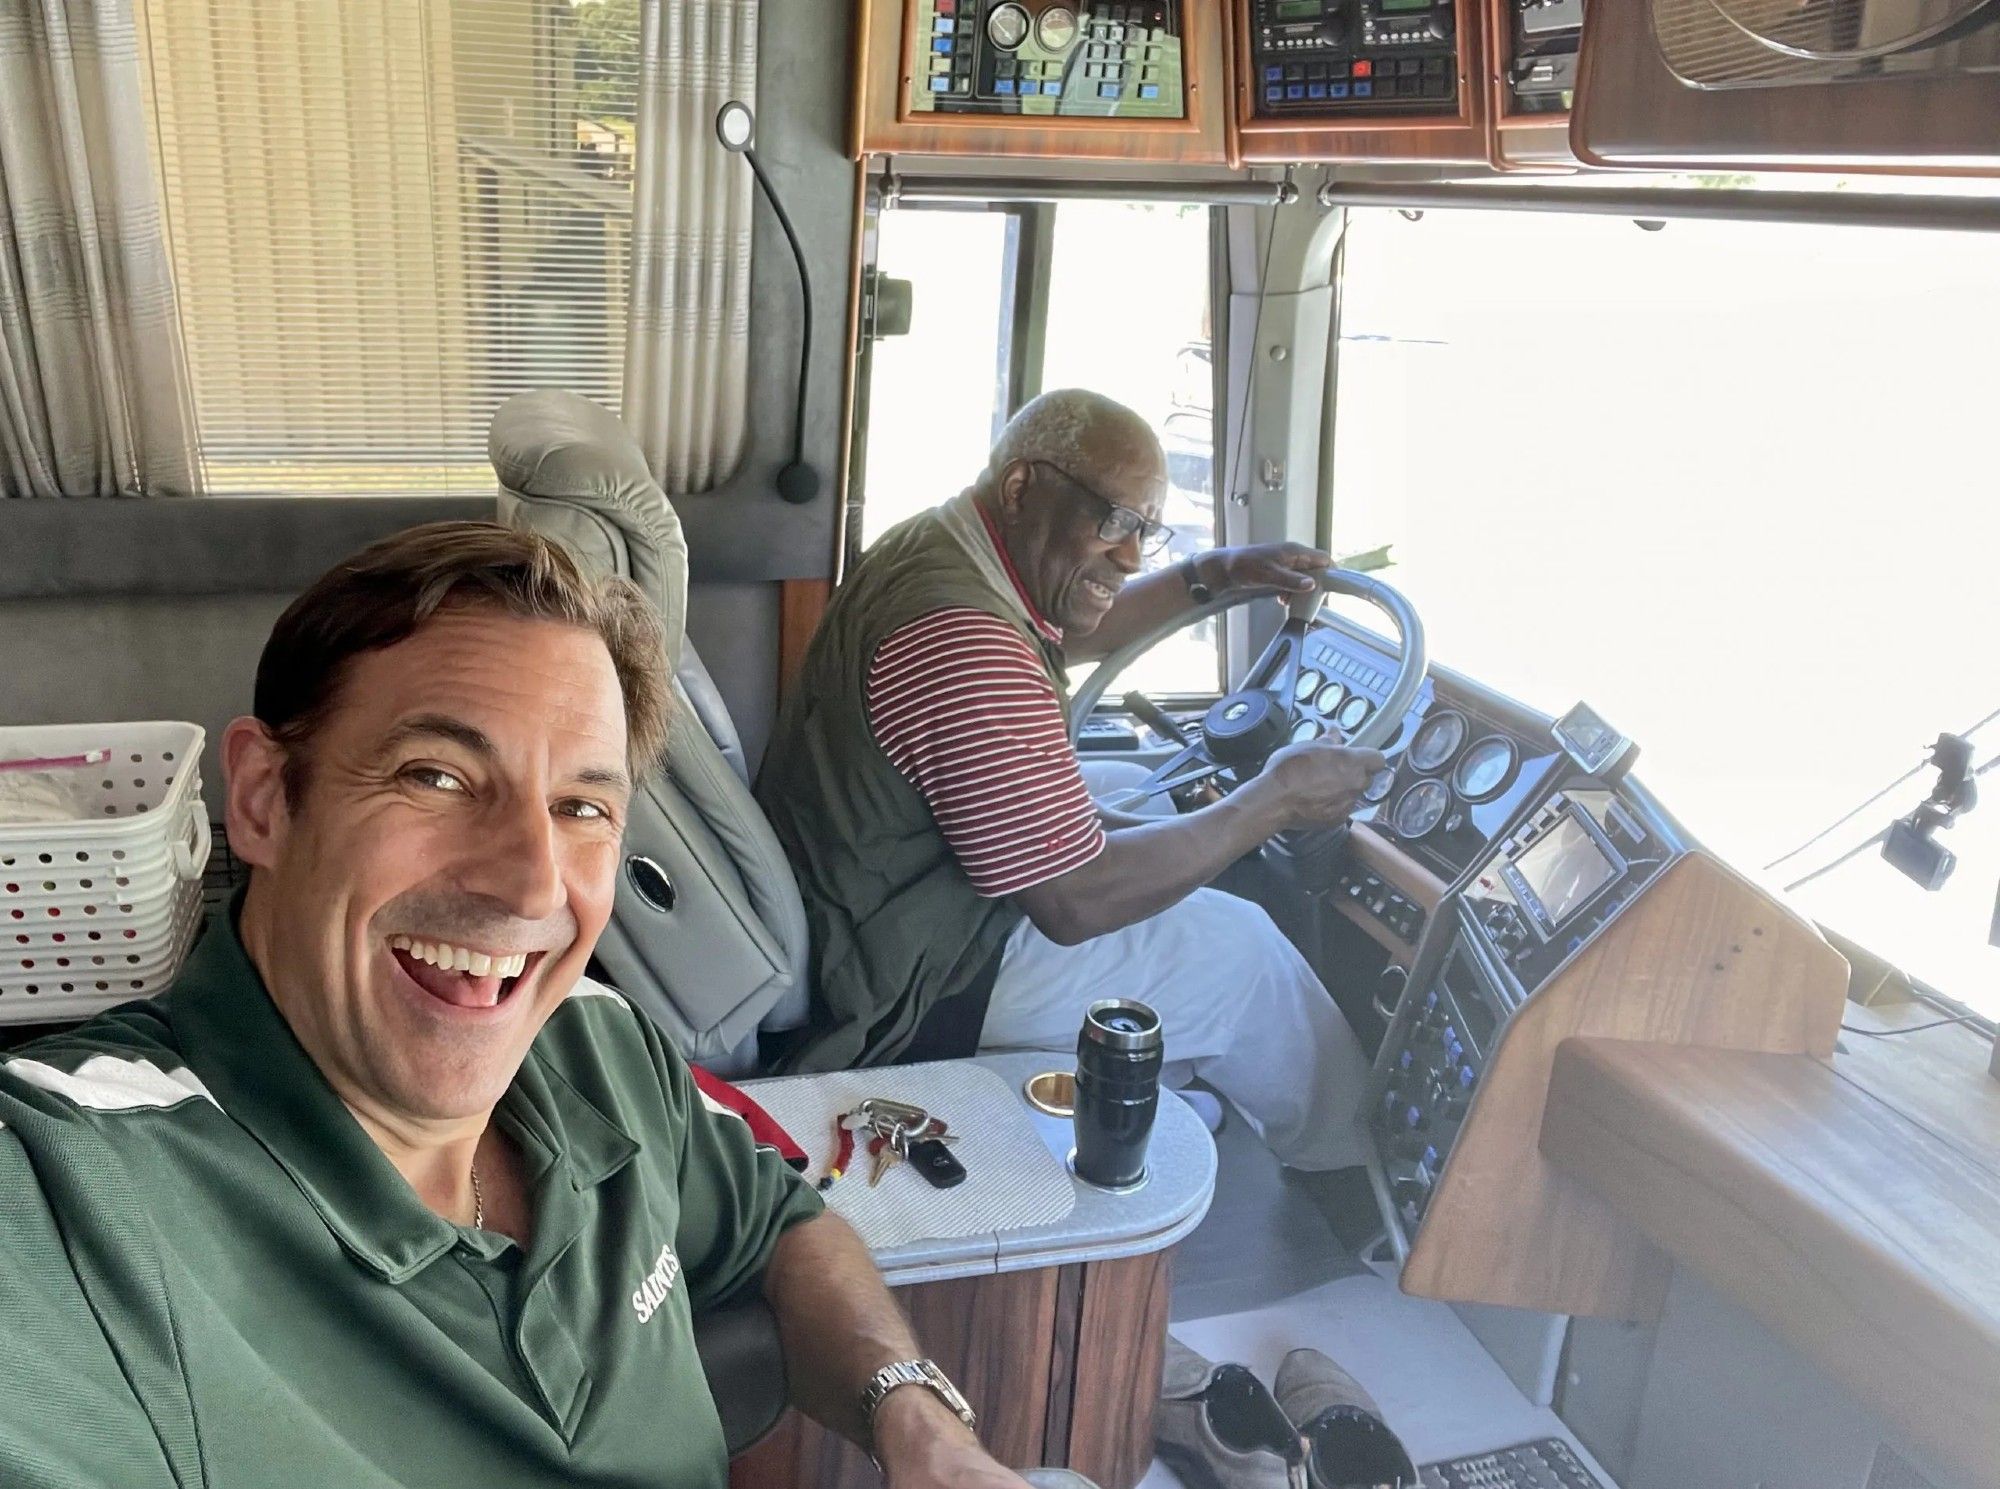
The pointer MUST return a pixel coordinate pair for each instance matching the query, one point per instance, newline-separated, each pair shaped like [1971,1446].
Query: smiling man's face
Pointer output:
[438,884]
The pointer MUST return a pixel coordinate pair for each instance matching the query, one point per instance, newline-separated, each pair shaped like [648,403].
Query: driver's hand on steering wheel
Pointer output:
[1290,566]
[1319,782]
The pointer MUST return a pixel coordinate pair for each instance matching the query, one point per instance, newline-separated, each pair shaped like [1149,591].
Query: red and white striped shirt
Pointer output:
[963,708]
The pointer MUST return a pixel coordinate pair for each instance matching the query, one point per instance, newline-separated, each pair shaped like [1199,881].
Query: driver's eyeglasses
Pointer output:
[1121,523]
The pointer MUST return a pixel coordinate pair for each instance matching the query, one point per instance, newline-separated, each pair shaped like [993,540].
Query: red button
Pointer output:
[944,7]
[1361,69]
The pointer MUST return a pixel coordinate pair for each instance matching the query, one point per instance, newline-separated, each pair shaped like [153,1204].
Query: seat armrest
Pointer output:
[745,1367]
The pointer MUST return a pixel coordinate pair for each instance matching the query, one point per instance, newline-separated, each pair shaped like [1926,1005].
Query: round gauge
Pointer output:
[1007,26]
[1056,27]
[1438,740]
[1487,767]
[1304,730]
[1421,808]
[1354,713]
[1329,698]
[1307,685]
[1380,784]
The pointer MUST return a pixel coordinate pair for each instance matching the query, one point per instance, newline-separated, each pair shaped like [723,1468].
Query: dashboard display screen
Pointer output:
[1298,10]
[1564,869]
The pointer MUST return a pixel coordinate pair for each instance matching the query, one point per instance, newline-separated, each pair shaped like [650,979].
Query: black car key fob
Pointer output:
[934,1161]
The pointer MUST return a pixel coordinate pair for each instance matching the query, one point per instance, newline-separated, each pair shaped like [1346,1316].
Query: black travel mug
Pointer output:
[1118,1057]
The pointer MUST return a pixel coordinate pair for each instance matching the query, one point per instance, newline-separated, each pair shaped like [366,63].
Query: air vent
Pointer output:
[1892,1471]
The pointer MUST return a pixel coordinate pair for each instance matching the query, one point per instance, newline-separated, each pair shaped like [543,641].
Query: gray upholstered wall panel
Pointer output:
[194,657]
[78,549]
[735,629]
[137,657]
[744,530]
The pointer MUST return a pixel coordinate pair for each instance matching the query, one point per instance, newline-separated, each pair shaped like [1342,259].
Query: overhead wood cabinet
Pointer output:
[1869,85]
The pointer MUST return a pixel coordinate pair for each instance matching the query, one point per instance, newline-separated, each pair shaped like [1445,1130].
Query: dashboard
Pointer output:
[1460,766]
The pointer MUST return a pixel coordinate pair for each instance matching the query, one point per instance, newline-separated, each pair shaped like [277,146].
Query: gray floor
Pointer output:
[1264,1238]
[1265,1272]
[1436,1385]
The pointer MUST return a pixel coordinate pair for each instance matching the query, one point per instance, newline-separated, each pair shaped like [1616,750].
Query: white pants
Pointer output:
[1241,1009]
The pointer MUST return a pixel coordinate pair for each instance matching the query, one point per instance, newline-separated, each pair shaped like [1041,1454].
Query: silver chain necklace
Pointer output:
[478,1202]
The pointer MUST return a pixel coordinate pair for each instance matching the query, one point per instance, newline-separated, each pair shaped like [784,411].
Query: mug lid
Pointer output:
[1122,1024]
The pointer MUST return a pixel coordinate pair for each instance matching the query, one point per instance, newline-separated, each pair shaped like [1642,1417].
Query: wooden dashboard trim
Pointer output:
[1702,958]
[1376,854]
[1861,1238]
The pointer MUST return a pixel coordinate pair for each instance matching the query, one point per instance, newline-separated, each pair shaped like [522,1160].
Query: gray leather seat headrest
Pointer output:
[575,463]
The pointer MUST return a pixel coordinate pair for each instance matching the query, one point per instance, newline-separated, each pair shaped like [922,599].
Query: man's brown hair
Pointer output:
[384,593]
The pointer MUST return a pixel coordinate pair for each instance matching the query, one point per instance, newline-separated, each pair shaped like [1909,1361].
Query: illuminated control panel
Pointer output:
[1317,58]
[1112,60]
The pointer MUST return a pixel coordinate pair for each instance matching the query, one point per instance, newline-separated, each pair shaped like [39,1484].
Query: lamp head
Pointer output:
[735,126]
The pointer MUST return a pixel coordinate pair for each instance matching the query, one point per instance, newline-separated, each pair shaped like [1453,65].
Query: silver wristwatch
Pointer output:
[912,1373]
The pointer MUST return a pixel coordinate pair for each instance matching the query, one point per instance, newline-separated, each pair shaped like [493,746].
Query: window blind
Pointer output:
[387,216]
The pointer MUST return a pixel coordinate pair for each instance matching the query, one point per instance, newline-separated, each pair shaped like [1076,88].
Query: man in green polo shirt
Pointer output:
[385,1193]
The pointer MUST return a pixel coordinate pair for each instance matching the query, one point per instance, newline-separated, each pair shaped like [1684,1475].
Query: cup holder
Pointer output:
[1052,1093]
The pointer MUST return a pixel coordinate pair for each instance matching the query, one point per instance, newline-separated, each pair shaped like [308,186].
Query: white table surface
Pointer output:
[1180,1182]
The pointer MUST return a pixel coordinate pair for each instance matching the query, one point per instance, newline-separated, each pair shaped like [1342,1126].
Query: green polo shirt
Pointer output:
[210,1276]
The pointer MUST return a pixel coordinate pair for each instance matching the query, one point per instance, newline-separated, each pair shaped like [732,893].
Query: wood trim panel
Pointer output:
[1061,1363]
[990,1334]
[1702,958]
[1937,1078]
[1373,852]
[1518,142]
[1631,110]
[1851,1232]
[1121,1342]
[801,603]
[881,124]
[1448,139]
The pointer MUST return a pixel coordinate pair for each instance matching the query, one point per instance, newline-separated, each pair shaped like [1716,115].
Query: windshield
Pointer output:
[1728,482]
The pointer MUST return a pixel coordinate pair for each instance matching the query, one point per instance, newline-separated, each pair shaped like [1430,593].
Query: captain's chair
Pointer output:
[707,936]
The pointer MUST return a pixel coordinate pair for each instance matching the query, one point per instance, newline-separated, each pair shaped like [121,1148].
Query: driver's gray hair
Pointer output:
[1058,426]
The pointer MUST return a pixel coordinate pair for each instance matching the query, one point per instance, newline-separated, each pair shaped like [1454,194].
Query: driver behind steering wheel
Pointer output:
[962,888]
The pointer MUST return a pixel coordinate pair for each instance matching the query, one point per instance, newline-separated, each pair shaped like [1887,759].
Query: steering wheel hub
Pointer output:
[1245,728]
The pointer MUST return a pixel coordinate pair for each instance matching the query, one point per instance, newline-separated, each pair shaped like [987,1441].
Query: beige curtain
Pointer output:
[687,344]
[93,389]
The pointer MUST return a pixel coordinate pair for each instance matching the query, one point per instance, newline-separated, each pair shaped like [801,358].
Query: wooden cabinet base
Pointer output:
[1062,1365]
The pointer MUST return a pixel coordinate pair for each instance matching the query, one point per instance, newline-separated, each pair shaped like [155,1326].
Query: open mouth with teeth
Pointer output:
[459,975]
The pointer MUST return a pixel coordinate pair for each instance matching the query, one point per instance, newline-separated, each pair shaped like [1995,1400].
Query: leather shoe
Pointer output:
[1219,1428]
[1348,1445]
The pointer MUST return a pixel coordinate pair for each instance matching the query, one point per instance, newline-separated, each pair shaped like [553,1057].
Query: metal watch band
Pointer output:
[913,1373]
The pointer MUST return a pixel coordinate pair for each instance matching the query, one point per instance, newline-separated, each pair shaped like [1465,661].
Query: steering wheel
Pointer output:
[1245,728]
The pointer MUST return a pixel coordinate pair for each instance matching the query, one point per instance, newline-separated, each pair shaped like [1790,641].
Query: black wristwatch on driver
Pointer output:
[1200,593]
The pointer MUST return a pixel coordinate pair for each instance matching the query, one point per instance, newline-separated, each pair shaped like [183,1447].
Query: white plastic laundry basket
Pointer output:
[103,908]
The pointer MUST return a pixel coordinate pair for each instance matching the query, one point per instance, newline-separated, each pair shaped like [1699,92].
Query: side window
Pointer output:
[1112,296]
[937,395]
[1129,316]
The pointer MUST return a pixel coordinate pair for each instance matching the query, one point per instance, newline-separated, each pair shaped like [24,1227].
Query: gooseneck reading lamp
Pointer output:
[735,127]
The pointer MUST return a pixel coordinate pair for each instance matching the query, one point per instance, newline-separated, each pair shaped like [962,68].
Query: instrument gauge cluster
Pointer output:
[1487,769]
[1438,740]
[1420,808]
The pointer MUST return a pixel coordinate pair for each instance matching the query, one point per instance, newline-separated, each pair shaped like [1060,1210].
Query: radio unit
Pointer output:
[1542,74]
[1353,57]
